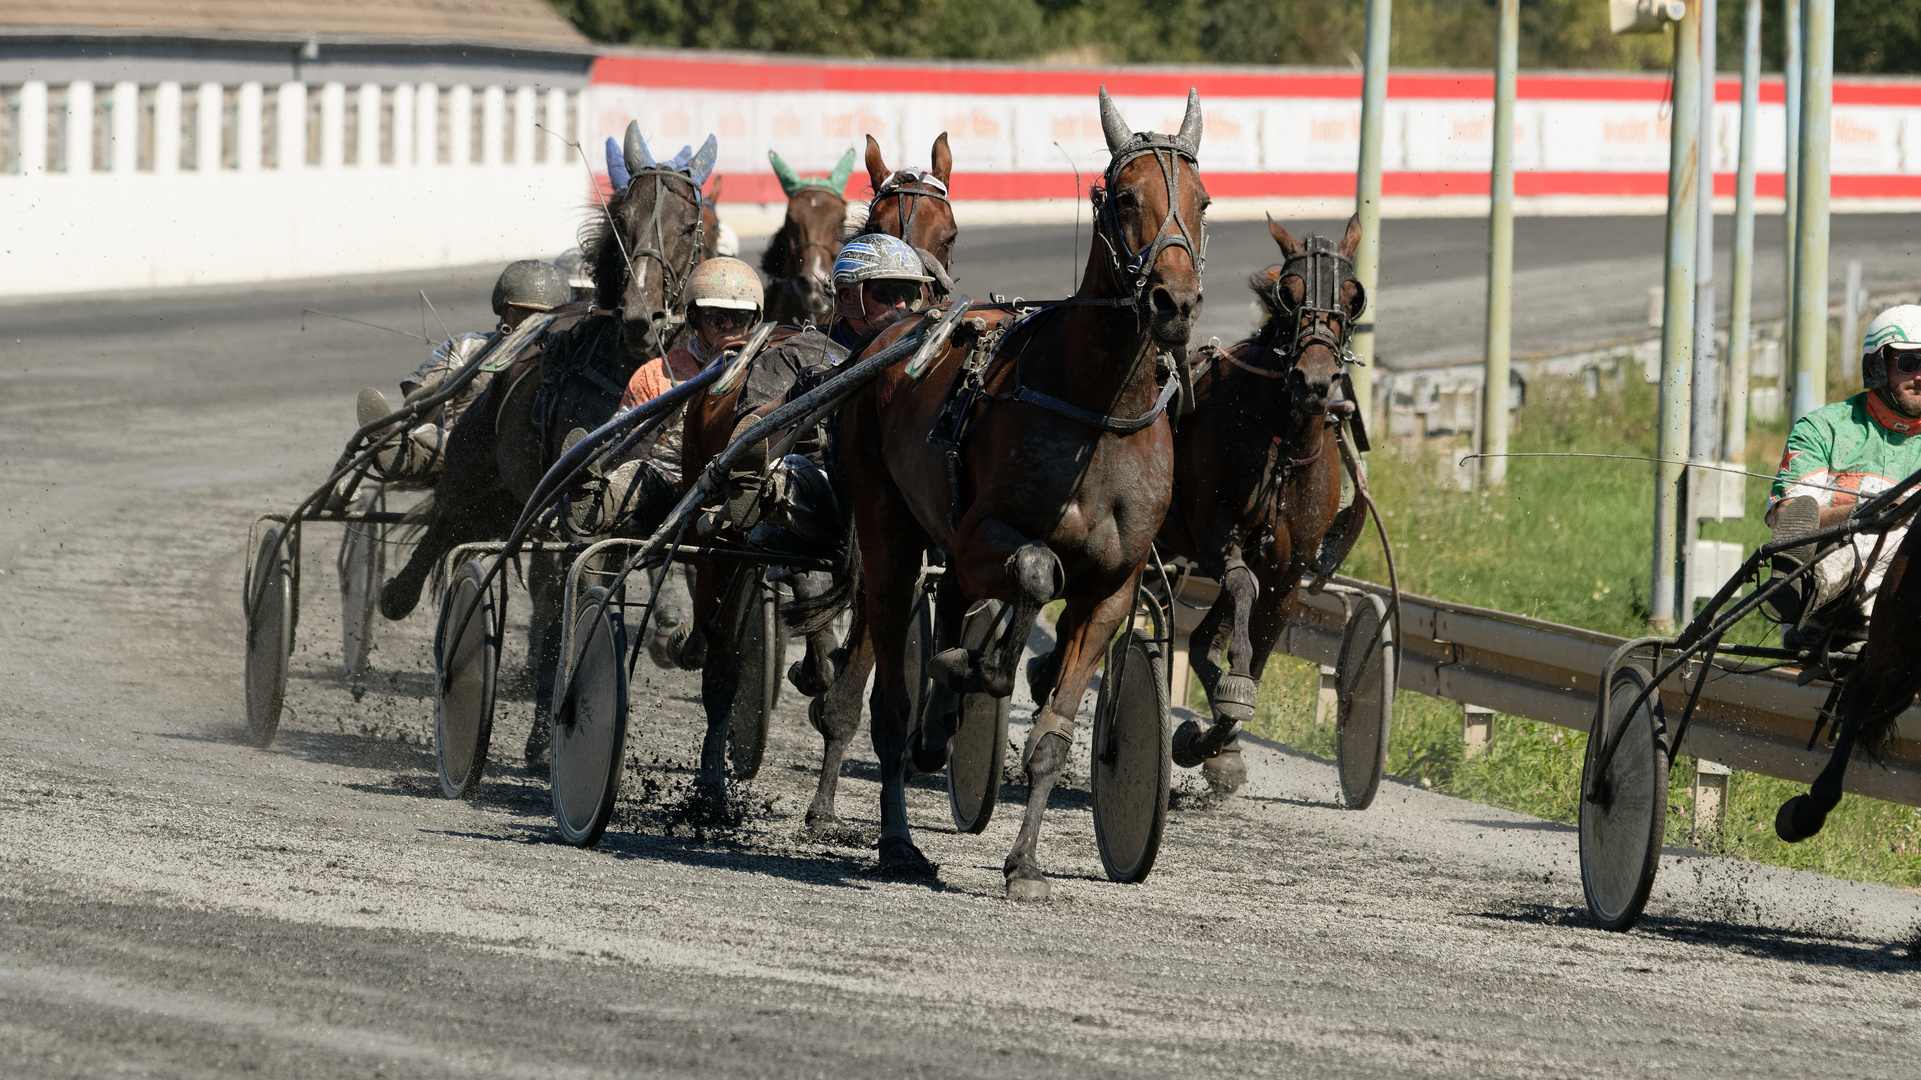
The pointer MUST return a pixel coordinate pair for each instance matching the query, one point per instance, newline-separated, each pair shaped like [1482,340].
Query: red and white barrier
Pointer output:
[1276,139]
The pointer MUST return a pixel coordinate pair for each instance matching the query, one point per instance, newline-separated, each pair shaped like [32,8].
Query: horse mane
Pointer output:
[773,262]
[1262,283]
[606,262]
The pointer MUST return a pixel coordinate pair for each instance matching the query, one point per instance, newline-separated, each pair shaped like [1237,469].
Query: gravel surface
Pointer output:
[174,903]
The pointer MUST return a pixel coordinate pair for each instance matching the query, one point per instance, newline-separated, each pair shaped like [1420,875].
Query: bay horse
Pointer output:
[905,204]
[800,257]
[1063,475]
[1257,480]
[640,251]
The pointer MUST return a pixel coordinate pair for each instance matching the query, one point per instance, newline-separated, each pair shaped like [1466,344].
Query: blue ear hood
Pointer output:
[702,164]
[617,165]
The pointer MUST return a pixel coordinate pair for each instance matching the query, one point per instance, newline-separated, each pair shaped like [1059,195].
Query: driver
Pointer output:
[1861,446]
[523,288]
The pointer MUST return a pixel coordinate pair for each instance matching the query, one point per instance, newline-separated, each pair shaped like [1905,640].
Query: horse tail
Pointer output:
[814,614]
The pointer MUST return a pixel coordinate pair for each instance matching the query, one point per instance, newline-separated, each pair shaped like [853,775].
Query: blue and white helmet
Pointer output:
[874,256]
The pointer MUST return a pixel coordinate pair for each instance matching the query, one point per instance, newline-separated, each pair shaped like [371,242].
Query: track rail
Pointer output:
[1753,720]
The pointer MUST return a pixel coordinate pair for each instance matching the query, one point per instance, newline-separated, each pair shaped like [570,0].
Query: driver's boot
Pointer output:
[1793,517]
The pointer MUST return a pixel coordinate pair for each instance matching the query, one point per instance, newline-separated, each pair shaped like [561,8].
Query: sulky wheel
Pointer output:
[1133,761]
[974,763]
[362,565]
[270,607]
[466,669]
[590,723]
[1365,678]
[1622,816]
[759,652]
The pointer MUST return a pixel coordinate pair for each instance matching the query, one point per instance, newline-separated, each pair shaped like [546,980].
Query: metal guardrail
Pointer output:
[1546,671]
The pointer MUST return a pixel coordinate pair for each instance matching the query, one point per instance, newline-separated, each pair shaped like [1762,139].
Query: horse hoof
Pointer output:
[1184,739]
[1226,772]
[1028,890]
[1233,696]
[899,858]
[397,601]
[958,670]
[809,679]
[929,755]
[1799,819]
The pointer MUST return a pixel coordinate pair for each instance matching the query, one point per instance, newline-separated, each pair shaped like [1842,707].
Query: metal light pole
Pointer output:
[1677,322]
[1811,225]
[1367,195]
[1500,252]
[1791,180]
[1704,421]
[1741,295]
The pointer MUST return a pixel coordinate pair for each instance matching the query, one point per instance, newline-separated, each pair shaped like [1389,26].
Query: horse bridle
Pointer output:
[909,186]
[1134,270]
[674,279]
[1320,317]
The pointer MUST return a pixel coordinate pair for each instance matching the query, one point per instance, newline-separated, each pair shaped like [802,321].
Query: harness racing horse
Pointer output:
[1256,481]
[909,203]
[1060,474]
[640,252]
[800,257]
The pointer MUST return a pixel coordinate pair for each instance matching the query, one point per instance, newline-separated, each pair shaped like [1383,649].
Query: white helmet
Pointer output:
[1897,329]
[725,283]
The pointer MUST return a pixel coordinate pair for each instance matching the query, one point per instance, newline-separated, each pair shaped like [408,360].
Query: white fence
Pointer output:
[127,186]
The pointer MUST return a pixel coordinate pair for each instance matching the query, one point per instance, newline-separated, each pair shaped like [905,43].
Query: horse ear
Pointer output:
[838,180]
[634,148]
[789,179]
[942,160]
[616,165]
[1112,125]
[1289,246]
[703,163]
[1191,123]
[714,196]
[877,170]
[1351,240]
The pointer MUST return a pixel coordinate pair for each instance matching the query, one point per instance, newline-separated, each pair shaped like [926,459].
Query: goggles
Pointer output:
[889,292]
[728,318]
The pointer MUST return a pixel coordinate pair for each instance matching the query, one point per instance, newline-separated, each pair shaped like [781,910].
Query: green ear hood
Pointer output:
[791,181]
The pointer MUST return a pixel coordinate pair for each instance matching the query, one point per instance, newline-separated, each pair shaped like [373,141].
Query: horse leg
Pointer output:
[719,686]
[1052,737]
[998,562]
[546,584]
[813,673]
[891,545]
[836,715]
[932,739]
[1205,641]
[1232,694]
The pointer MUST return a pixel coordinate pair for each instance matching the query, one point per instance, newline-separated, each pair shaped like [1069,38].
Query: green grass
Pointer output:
[1570,540]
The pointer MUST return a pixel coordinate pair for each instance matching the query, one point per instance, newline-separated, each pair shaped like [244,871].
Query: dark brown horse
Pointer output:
[710,423]
[1257,479]
[640,251]
[800,257]
[1063,479]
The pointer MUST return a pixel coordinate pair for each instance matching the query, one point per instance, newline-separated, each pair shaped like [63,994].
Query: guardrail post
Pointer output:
[1734,445]
[1492,440]
[1179,675]
[1677,322]
[1811,221]
[1710,801]
[1367,197]
[1477,728]
[1327,700]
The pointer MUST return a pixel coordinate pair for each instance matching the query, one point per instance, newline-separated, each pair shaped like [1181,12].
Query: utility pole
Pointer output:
[1367,197]
[1741,294]
[1500,252]
[1791,27]
[1677,323]
[1811,225]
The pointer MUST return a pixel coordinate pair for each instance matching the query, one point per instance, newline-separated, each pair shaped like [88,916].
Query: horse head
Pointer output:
[1148,212]
[800,257]
[1315,301]
[647,243]
[912,203]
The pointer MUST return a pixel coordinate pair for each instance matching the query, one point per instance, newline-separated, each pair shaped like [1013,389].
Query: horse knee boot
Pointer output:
[1036,574]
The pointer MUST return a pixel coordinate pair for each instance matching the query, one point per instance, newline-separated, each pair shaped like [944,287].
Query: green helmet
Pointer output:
[530,284]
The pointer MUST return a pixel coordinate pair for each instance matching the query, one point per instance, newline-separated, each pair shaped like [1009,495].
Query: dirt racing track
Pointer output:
[175,903]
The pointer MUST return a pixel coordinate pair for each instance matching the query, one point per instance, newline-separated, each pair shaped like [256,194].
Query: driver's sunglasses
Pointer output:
[727,318]
[889,293]
[1905,361]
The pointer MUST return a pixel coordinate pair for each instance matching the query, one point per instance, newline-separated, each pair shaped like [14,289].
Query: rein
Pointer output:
[674,278]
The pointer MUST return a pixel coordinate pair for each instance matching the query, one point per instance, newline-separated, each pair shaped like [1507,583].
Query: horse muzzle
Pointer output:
[1171,314]
[1309,395]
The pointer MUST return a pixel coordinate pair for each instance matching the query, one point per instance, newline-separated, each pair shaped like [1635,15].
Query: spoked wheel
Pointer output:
[974,764]
[759,649]
[362,565]
[270,606]
[590,723]
[1133,762]
[467,668]
[1365,677]
[1622,817]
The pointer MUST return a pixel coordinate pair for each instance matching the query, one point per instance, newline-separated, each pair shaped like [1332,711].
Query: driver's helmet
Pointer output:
[532,285]
[1897,329]
[572,265]
[725,283]
[874,256]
